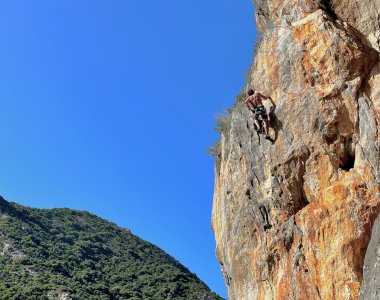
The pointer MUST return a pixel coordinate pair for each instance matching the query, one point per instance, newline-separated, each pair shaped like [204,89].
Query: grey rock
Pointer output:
[370,289]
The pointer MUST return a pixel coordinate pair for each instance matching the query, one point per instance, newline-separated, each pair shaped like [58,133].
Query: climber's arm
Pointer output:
[264,97]
[249,104]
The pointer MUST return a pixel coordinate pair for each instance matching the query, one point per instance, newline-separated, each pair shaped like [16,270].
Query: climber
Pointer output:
[255,104]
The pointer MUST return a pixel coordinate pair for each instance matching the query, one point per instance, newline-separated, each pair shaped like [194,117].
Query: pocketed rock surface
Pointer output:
[293,219]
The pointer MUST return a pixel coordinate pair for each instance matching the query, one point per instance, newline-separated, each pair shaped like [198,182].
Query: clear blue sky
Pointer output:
[109,107]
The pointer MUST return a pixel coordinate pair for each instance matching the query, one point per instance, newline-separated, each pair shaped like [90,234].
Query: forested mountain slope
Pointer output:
[67,254]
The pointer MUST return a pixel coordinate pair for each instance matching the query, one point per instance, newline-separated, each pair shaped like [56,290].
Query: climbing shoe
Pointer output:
[269,138]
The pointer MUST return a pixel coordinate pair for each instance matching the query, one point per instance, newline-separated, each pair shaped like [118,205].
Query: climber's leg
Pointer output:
[258,125]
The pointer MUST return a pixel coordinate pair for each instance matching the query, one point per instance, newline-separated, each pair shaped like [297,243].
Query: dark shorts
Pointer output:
[260,113]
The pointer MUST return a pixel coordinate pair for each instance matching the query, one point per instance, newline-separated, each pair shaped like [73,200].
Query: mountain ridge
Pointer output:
[61,253]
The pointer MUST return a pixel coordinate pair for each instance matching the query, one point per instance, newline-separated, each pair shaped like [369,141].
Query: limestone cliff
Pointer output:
[293,219]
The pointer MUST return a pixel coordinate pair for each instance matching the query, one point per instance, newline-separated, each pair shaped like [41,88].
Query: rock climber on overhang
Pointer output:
[254,102]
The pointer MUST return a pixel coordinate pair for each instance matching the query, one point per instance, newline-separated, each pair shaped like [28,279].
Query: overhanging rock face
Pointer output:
[293,219]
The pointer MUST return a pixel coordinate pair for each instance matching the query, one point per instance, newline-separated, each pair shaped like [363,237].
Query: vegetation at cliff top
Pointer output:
[52,251]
